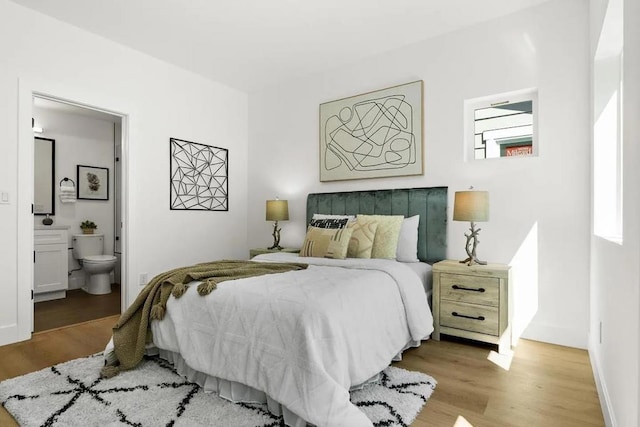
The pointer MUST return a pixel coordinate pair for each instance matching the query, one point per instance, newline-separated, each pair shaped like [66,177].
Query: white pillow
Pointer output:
[407,250]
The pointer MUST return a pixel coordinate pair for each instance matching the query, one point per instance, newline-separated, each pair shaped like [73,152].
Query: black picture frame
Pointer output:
[199,176]
[44,177]
[92,183]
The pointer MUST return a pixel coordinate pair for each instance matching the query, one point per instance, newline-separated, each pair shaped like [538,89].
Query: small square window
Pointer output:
[501,126]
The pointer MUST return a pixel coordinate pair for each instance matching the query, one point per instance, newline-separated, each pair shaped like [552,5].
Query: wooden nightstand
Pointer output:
[259,251]
[472,302]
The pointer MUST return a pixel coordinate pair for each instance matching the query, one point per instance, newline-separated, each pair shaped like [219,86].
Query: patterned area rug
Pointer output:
[72,394]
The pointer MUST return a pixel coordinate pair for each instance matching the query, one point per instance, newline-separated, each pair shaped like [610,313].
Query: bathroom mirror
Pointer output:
[44,176]
[502,126]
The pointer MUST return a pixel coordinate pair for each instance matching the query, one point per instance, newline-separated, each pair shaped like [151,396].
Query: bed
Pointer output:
[300,340]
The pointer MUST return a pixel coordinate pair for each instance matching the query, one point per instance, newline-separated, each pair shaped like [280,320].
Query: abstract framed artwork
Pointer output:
[373,135]
[199,176]
[93,183]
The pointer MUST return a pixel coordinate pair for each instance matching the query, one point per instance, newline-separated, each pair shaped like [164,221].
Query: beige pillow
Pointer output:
[326,242]
[361,243]
[385,243]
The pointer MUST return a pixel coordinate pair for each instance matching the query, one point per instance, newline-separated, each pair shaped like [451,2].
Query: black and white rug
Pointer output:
[72,394]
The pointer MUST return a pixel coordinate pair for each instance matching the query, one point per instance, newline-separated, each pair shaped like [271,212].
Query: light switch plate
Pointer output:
[4,197]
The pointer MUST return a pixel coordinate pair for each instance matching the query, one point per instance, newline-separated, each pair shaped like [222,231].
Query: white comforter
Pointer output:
[303,337]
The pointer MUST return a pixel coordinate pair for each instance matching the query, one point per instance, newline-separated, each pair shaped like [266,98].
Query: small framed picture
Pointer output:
[93,183]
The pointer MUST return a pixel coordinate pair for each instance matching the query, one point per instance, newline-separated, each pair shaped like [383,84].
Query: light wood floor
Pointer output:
[51,347]
[545,385]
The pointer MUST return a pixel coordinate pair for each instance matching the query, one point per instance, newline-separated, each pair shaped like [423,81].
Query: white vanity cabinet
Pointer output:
[50,257]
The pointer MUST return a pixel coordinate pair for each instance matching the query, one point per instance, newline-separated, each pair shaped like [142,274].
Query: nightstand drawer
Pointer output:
[469,317]
[470,289]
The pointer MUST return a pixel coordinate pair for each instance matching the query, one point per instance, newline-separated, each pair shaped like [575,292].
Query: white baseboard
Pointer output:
[8,334]
[601,386]
[555,335]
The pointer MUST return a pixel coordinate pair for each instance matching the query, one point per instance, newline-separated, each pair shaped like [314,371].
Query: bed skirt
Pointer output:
[237,392]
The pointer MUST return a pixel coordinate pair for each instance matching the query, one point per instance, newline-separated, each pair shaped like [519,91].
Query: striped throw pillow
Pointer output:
[326,242]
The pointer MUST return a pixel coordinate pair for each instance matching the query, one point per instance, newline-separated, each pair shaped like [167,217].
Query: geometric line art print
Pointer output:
[377,134]
[199,176]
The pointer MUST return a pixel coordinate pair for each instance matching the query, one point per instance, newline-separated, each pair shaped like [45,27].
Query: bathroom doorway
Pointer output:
[88,145]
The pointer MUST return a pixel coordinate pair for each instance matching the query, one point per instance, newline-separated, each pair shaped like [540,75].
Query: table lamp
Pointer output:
[277,210]
[471,206]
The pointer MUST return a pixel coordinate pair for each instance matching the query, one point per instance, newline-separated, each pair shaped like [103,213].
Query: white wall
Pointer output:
[539,206]
[40,54]
[615,270]
[88,141]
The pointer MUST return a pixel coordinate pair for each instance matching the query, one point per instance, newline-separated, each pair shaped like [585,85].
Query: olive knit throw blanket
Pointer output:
[132,331]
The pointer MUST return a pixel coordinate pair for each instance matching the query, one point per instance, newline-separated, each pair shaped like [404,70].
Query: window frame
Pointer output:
[514,97]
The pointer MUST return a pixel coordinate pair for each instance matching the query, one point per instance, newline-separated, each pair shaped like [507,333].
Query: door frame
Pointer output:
[26,92]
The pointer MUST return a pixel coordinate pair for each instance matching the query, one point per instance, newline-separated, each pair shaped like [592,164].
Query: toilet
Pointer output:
[88,250]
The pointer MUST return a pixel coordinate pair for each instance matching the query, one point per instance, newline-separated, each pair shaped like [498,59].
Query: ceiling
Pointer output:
[249,44]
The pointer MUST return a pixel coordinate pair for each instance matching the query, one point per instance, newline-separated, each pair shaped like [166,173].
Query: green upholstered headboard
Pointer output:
[430,203]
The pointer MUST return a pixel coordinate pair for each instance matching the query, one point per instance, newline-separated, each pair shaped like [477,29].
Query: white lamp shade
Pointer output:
[277,210]
[471,206]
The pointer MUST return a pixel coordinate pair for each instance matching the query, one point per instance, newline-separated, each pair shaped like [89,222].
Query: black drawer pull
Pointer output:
[462,288]
[467,317]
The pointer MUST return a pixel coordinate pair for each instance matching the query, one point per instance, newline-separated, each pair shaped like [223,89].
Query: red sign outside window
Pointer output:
[519,150]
